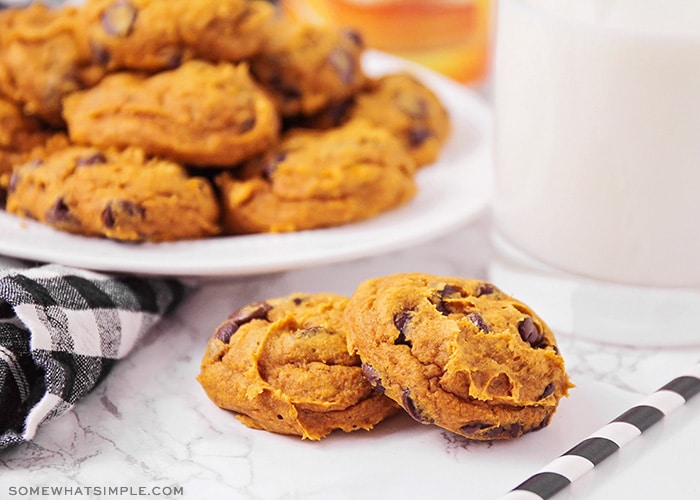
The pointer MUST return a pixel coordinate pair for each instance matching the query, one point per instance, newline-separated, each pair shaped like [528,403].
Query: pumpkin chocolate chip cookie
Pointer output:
[315,179]
[457,353]
[282,365]
[120,195]
[307,67]
[41,60]
[200,114]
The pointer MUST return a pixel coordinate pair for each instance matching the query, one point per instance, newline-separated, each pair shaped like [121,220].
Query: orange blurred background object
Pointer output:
[449,36]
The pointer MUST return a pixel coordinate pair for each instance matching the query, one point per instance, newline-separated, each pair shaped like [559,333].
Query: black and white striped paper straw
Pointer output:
[588,453]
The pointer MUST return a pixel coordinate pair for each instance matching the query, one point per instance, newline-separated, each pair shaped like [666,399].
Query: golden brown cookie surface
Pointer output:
[118,195]
[41,60]
[201,114]
[457,353]
[282,365]
[316,179]
[19,134]
[160,34]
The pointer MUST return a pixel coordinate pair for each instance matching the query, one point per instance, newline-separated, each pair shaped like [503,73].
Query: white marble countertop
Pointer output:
[149,429]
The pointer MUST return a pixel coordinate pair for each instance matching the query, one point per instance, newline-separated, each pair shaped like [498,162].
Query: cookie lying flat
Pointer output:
[282,365]
[200,114]
[315,179]
[118,195]
[457,353]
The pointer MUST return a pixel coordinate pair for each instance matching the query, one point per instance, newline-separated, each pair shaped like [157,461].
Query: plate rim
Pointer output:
[147,258]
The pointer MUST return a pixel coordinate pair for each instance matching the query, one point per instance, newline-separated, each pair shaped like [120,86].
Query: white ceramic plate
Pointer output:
[450,192]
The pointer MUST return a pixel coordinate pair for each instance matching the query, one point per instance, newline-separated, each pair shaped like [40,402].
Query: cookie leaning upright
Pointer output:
[283,366]
[457,353]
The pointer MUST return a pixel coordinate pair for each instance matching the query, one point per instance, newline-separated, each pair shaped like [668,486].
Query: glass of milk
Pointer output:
[597,165]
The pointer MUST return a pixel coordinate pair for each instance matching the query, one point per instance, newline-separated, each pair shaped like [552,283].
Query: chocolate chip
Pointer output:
[512,430]
[246,314]
[401,321]
[478,320]
[485,288]
[355,36]
[410,406]
[247,125]
[174,60]
[529,332]
[297,301]
[270,164]
[99,54]
[343,64]
[58,212]
[118,19]
[94,159]
[548,390]
[417,136]
[126,207]
[474,427]
[372,377]
[438,299]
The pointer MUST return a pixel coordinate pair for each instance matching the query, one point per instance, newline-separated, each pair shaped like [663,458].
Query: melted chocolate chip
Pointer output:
[126,207]
[246,314]
[473,427]
[478,320]
[372,377]
[548,390]
[355,36]
[118,19]
[410,406]
[441,304]
[485,288]
[99,54]
[270,164]
[401,321]
[58,212]
[529,332]
[417,136]
[94,159]
[246,125]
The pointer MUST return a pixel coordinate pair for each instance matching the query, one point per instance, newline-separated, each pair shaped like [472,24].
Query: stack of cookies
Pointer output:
[452,352]
[125,119]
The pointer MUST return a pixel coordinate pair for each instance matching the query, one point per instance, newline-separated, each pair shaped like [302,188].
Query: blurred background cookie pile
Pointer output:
[157,120]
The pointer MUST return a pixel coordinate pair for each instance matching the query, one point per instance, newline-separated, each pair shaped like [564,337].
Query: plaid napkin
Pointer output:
[61,331]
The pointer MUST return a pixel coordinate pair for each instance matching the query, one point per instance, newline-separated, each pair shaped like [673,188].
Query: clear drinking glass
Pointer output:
[596,190]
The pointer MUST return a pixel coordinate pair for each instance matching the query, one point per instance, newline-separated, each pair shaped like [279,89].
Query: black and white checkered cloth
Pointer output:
[61,331]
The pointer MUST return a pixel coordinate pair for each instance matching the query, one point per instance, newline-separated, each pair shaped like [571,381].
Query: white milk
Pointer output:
[597,141]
